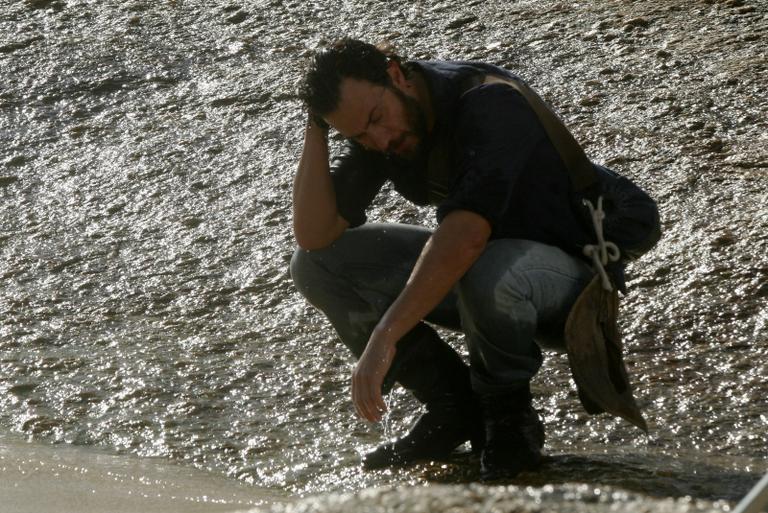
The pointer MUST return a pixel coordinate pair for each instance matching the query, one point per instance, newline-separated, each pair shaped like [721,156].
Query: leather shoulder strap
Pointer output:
[581,171]
[582,174]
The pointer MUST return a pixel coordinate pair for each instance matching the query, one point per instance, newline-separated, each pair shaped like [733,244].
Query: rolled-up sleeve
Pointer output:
[496,133]
[357,175]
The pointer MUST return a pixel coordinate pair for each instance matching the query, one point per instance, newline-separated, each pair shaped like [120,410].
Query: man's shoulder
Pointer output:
[494,100]
[457,69]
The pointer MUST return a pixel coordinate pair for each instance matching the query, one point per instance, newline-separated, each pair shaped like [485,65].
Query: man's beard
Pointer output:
[417,125]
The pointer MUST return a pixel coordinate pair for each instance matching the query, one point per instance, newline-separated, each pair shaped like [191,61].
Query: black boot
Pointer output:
[438,378]
[514,435]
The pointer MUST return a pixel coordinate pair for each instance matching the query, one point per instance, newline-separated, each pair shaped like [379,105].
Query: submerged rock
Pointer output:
[482,499]
[5,181]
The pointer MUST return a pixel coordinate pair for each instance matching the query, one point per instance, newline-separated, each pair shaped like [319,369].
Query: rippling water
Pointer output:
[145,307]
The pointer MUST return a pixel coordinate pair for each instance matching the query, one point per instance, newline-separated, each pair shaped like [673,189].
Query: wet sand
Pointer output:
[37,478]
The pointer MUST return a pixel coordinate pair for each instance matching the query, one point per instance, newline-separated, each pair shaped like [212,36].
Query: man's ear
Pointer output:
[396,74]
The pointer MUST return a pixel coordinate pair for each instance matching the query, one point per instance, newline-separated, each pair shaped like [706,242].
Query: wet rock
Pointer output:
[111,84]
[476,498]
[23,389]
[660,98]
[17,161]
[715,145]
[236,18]
[77,131]
[726,238]
[115,208]
[192,222]
[460,22]
[60,266]
[56,5]
[590,101]
[225,102]
[12,47]
[639,22]
[601,25]
[40,424]
[136,7]
[5,181]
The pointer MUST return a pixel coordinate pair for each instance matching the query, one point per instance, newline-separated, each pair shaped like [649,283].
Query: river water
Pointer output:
[145,305]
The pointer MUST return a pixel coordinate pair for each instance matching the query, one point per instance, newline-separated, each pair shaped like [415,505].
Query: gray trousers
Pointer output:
[514,299]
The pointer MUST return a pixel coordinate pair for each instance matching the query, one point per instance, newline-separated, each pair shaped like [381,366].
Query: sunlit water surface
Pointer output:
[146,308]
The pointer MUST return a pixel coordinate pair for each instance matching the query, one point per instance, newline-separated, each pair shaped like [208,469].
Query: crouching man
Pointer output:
[504,265]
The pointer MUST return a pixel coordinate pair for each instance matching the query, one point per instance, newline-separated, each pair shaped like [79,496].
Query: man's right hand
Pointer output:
[318,121]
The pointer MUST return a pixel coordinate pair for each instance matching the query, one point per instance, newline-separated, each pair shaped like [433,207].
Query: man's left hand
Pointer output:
[368,377]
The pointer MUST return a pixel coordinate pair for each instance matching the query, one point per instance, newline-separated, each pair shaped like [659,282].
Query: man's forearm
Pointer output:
[316,221]
[454,247]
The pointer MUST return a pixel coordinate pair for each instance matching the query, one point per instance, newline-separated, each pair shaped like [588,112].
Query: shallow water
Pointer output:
[145,308]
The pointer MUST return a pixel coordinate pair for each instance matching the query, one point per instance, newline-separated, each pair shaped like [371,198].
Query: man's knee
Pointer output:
[483,291]
[306,272]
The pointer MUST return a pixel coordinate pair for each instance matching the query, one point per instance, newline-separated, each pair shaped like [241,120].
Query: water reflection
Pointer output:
[146,309]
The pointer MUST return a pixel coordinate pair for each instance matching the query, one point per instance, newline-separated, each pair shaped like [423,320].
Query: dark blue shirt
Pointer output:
[503,165]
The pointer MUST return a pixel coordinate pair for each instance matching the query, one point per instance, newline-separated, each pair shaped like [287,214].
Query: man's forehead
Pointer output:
[356,93]
[356,99]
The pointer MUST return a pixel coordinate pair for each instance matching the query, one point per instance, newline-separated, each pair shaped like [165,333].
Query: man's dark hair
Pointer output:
[346,58]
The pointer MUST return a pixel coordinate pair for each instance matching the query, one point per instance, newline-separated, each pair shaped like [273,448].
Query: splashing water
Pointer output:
[389,401]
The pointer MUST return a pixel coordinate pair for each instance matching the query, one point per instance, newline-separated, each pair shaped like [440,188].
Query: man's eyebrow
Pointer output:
[370,117]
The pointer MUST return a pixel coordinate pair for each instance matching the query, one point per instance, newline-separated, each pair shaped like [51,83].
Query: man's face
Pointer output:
[381,118]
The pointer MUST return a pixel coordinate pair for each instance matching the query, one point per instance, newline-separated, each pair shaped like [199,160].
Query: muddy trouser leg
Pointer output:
[354,281]
[517,293]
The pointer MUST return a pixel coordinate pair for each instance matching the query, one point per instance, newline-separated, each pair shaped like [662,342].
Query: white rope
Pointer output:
[604,251]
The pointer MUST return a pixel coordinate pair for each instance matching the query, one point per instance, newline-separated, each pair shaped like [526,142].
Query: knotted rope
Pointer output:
[604,251]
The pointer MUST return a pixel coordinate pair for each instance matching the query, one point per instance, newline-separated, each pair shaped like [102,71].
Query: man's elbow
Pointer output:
[313,239]
[312,243]
[472,246]
[471,232]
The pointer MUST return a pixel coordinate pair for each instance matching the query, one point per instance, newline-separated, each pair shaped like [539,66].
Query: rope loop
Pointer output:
[604,251]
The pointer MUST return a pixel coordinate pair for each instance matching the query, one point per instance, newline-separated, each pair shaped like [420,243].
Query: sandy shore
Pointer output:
[40,478]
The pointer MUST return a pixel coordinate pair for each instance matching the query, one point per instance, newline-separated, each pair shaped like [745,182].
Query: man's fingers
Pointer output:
[358,398]
[368,402]
[379,403]
[368,406]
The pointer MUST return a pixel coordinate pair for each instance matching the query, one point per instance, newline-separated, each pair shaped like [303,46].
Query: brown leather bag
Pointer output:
[592,337]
